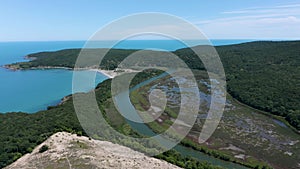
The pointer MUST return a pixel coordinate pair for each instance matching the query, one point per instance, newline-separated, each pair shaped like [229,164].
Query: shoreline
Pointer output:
[108,73]
[113,73]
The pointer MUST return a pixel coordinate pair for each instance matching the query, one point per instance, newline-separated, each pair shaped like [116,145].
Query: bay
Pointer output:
[33,90]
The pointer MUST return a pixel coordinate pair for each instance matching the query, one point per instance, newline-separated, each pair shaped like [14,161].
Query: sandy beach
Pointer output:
[113,73]
[108,73]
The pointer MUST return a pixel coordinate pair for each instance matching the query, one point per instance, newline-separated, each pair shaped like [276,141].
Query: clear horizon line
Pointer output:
[255,39]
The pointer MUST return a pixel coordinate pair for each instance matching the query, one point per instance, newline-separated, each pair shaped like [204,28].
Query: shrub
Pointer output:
[43,148]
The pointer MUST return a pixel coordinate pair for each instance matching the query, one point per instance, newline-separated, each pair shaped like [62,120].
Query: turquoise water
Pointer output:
[34,90]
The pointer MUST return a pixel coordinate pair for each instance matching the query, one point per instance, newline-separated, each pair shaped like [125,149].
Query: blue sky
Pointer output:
[35,20]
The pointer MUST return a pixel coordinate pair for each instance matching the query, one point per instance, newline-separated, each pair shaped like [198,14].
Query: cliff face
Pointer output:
[67,150]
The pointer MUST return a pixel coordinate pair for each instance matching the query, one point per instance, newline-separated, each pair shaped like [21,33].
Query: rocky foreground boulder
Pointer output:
[65,150]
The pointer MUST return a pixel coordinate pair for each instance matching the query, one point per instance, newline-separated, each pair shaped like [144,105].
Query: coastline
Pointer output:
[108,73]
[113,73]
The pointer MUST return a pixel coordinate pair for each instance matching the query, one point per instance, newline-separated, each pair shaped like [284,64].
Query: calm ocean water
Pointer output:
[34,90]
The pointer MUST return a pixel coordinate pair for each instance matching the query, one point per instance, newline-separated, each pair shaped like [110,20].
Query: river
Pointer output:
[145,130]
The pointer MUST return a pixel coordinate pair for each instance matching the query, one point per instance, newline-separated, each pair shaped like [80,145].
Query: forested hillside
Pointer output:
[263,74]
[22,132]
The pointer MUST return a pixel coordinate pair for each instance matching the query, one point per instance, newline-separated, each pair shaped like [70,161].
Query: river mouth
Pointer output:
[145,130]
[256,129]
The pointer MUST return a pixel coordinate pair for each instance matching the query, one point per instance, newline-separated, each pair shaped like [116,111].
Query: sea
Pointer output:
[31,91]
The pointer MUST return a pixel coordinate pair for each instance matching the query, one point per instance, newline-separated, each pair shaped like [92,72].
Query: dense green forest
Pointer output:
[67,58]
[263,74]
